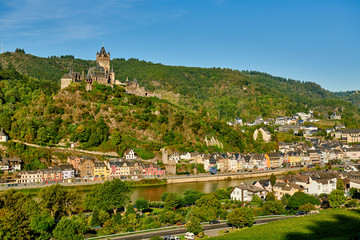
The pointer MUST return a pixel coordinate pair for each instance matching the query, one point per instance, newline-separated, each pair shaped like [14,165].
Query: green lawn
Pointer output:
[334,224]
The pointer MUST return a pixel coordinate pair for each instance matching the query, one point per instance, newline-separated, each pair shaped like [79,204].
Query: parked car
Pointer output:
[171,238]
[214,222]
[300,213]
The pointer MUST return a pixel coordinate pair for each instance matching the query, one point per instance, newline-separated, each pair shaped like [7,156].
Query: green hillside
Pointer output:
[107,119]
[223,93]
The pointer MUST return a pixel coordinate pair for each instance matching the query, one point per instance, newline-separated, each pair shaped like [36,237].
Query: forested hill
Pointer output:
[224,93]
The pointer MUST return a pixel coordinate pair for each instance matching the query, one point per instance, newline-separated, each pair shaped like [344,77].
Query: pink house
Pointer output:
[152,170]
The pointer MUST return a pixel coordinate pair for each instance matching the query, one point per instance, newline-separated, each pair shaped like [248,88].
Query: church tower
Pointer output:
[103,59]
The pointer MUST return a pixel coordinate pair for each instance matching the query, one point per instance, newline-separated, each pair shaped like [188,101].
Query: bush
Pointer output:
[352,203]
[307,207]
[157,237]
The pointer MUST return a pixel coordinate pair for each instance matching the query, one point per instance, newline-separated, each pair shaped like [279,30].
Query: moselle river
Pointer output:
[153,193]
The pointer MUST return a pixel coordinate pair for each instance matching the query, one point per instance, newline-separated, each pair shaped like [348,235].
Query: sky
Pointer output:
[306,40]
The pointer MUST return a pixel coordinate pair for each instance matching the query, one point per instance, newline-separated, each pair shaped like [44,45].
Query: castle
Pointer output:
[100,74]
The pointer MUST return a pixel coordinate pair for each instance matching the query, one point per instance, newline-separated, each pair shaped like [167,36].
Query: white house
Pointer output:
[175,156]
[67,171]
[319,186]
[3,136]
[130,154]
[266,136]
[30,176]
[245,192]
[185,156]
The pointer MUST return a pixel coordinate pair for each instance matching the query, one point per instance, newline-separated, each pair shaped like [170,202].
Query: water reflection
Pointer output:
[153,193]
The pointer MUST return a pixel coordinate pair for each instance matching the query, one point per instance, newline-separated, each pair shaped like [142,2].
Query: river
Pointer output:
[153,193]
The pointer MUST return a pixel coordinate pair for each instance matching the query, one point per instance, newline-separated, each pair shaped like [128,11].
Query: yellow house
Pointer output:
[280,189]
[294,159]
[124,169]
[239,165]
[100,170]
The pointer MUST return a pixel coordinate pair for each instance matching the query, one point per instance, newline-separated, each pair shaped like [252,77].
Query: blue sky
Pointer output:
[307,40]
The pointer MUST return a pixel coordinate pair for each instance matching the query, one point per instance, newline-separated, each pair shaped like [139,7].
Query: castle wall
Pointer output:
[65,82]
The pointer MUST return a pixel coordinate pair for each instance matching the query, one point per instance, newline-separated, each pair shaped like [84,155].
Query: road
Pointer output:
[182,231]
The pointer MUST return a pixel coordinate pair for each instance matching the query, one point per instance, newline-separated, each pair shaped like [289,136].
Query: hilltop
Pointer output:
[223,93]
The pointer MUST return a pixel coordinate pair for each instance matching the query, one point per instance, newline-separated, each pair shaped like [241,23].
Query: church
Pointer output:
[100,74]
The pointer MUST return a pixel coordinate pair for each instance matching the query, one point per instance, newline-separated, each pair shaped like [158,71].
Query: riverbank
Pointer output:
[228,176]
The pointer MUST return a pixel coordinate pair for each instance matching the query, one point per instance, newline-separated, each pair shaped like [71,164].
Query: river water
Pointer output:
[153,193]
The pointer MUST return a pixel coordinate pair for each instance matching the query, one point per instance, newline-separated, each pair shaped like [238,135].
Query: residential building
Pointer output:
[130,154]
[335,116]
[245,192]
[10,164]
[87,169]
[3,136]
[52,175]
[152,171]
[67,171]
[319,186]
[351,135]
[30,176]
[100,171]
[281,188]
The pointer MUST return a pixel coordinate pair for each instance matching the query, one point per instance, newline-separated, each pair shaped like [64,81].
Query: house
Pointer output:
[52,175]
[75,161]
[101,171]
[30,176]
[319,186]
[3,136]
[265,184]
[67,171]
[275,160]
[185,156]
[87,169]
[245,192]
[136,170]
[152,171]
[10,164]
[295,128]
[350,135]
[260,161]
[175,156]
[335,116]
[282,188]
[130,154]
[266,136]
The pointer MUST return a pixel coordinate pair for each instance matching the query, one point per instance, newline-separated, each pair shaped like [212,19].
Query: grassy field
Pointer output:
[332,224]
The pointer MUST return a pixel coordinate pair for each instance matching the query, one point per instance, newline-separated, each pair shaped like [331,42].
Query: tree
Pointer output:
[300,198]
[336,198]
[43,224]
[256,201]
[273,179]
[285,199]
[171,201]
[95,218]
[194,225]
[274,207]
[58,201]
[270,197]
[241,217]
[70,228]
[111,195]
[340,184]
[208,201]
[141,204]
[190,196]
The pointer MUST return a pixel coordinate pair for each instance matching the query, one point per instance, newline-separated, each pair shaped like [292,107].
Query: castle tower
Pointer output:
[103,59]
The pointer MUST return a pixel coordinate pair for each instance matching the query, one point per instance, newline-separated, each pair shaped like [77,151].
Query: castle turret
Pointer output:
[103,59]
